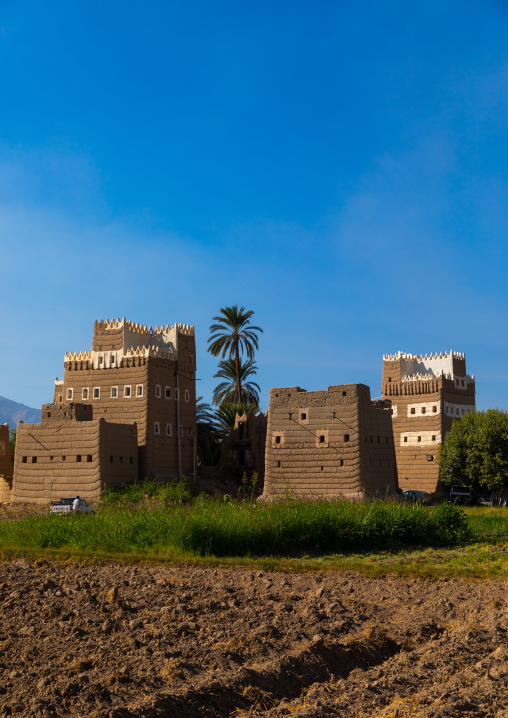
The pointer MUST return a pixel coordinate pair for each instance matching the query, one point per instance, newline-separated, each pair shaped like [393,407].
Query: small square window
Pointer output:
[346,437]
[85,393]
[96,393]
[157,428]
[158,391]
[424,410]
[78,458]
[89,458]
[433,437]
[321,438]
[139,390]
[169,430]
[127,392]
[121,459]
[419,438]
[341,462]
[114,392]
[413,410]
[278,464]
[63,458]
[405,439]
[277,439]
[187,395]
[434,409]
[168,392]
[70,394]
[24,460]
[34,459]
[344,393]
[303,416]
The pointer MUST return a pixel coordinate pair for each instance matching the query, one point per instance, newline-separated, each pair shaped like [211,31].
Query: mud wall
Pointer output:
[65,455]
[5,452]
[328,443]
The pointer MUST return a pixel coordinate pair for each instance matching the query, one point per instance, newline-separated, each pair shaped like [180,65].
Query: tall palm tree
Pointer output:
[232,334]
[227,391]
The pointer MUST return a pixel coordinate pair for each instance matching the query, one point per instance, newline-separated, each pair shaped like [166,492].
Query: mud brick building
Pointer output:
[427,393]
[329,443]
[69,452]
[5,464]
[243,450]
[138,374]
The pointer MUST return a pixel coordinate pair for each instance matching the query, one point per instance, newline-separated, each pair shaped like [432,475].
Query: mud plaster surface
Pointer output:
[166,641]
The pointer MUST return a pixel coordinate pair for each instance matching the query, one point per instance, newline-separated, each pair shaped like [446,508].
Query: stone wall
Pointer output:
[69,453]
[328,443]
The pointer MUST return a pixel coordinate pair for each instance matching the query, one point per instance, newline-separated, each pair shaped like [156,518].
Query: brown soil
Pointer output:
[119,640]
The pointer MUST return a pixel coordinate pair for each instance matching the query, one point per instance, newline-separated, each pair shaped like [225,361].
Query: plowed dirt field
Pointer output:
[123,641]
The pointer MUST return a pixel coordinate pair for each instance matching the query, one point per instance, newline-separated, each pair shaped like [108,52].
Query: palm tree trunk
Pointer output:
[238,384]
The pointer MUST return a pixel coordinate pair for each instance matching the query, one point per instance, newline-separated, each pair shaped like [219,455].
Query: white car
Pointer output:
[64,506]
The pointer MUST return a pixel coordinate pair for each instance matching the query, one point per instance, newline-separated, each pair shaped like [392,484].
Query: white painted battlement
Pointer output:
[422,367]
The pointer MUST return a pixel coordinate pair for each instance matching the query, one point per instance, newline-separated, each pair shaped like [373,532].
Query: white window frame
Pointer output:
[169,430]
[127,391]
[187,395]
[114,389]
[70,394]
[167,389]
[85,393]
[157,428]
[158,391]
[98,389]
[139,391]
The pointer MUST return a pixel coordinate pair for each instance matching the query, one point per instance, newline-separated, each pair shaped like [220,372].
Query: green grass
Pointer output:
[150,522]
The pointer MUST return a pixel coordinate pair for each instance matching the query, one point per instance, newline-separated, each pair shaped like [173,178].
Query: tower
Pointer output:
[427,393]
[135,373]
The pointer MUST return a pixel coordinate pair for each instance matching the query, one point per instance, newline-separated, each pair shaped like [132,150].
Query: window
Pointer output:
[169,430]
[419,438]
[78,458]
[70,394]
[344,393]
[51,458]
[346,437]
[131,459]
[139,390]
[121,459]
[187,395]
[189,431]
[341,462]
[389,378]
[278,464]
[322,468]
[112,359]
[413,410]
[24,460]
[405,439]
[168,392]
[89,458]
[63,458]
[84,394]
[433,437]
[321,438]
[333,415]
[157,428]
[48,414]
[277,439]
[434,409]
[424,410]
[96,393]
[303,416]
[127,392]
[158,391]
[114,392]
[34,459]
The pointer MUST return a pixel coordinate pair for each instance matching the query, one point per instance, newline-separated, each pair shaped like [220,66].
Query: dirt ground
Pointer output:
[123,641]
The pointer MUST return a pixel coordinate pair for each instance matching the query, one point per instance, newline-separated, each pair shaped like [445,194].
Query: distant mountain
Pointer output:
[12,412]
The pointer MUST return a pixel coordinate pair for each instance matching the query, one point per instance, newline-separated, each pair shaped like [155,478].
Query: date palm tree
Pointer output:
[208,433]
[232,334]
[227,391]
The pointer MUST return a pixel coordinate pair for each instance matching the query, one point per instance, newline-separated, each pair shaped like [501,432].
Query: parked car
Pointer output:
[419,497]
[462,495]
[64,506]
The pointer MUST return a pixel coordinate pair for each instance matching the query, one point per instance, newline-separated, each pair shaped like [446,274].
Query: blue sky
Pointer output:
[339,168]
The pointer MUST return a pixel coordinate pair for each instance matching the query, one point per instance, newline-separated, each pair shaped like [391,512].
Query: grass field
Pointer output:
[150,522]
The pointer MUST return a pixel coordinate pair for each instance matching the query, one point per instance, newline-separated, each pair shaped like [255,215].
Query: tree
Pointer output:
[227,391]
[475,452]
[209,436]
[231,335]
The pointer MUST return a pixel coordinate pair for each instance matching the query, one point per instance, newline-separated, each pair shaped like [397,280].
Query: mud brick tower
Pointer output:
[328,443]
[138,374]
[5,464]
[427,394]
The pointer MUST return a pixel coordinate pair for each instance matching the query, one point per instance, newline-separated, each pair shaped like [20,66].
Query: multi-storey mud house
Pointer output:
[328,443]
[70,452]
[243,449]
[138,374]
[427,393]
[5,464]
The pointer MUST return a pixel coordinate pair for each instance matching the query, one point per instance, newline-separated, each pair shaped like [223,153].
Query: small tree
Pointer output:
[475,452]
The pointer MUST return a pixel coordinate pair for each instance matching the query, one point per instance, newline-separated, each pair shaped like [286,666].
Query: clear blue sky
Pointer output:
[341,168]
